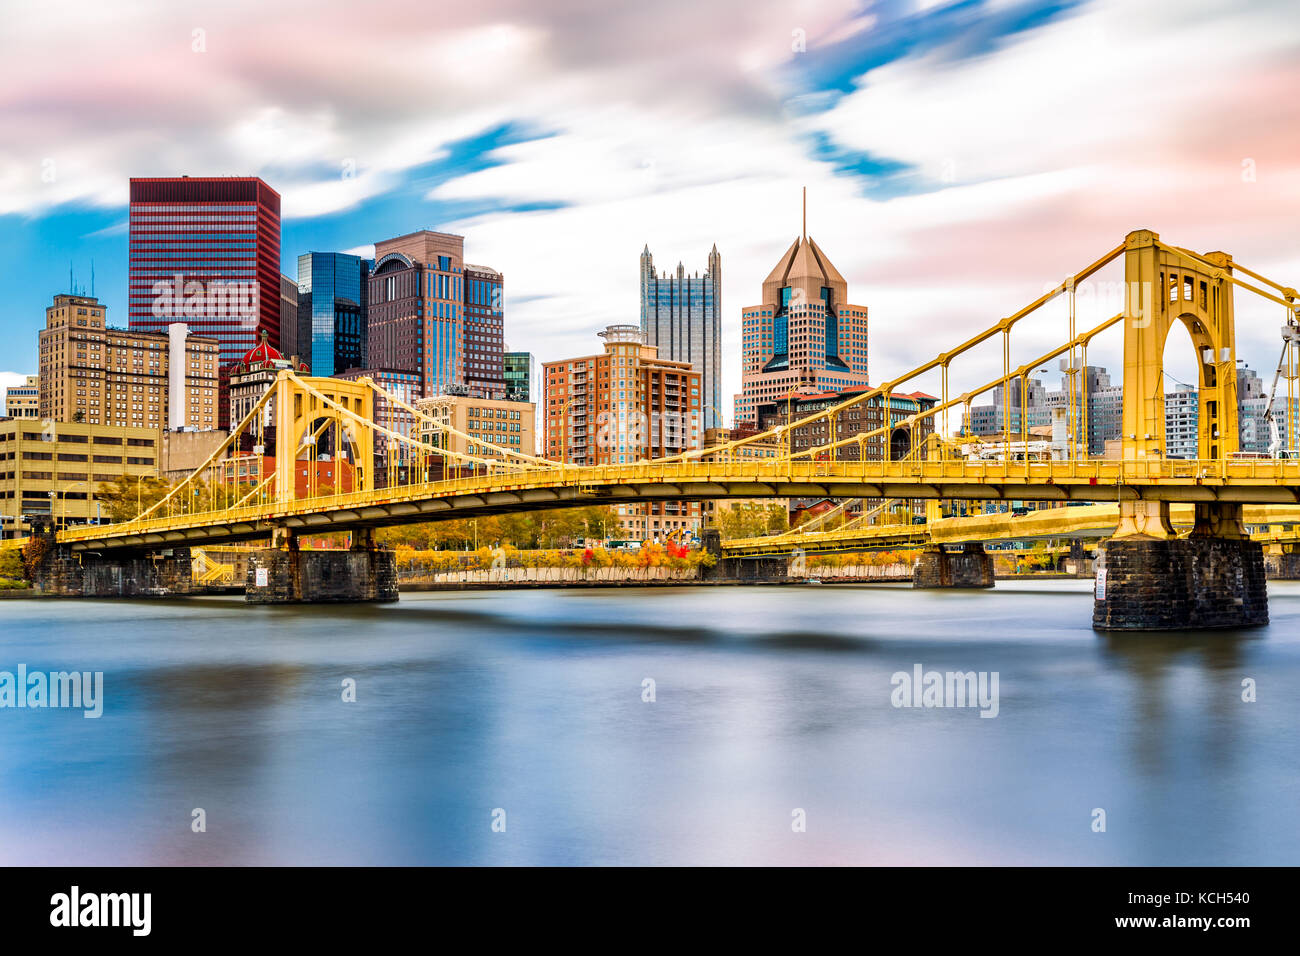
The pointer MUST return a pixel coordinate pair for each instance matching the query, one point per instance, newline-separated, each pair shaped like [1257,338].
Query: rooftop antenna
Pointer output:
[805,213]
[72,290]
[92,278]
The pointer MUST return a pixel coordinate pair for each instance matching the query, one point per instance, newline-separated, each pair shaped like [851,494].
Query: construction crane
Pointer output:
[1285,366]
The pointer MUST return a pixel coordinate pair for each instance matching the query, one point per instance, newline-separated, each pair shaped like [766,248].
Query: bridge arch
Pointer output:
[1167,285]
[302,416]
[900,443]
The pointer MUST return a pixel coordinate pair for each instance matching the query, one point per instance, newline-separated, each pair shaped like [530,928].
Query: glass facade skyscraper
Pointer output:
[484,331]
[682,316]
[333,312]
[206,251]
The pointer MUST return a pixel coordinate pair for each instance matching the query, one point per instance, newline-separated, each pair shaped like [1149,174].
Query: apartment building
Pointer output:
[620,407]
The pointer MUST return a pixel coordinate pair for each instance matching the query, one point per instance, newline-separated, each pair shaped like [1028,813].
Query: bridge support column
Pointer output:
[364,573]
[972,567]
[61,571]
[766,570]
[1148,580]
[1281,565]
[1077,562]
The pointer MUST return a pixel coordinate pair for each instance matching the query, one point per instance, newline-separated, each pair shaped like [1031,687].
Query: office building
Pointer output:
[52,469]
[622,406]
[396,461]
[206,251]
[1105,408]
[288,316]
[24,401]
[417,309]
[523,382]
[804,336]
[125,377]
[435,316]
[331,327]
[484,334]
[521,377]
[866,417]
[504,424]
[1182,410]
[681,315]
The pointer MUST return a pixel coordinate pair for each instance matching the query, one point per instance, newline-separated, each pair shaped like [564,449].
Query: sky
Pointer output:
[959,157]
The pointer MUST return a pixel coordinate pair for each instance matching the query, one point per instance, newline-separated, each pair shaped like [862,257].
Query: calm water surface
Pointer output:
[767,700]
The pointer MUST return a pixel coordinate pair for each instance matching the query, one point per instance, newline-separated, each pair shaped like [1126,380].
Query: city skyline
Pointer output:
[677,145]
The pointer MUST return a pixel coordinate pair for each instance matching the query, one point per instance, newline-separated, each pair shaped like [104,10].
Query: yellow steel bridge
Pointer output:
[250,487]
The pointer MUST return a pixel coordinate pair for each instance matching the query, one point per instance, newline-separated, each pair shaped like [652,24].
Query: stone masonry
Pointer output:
[1179,583]
[972,567]
[291,576]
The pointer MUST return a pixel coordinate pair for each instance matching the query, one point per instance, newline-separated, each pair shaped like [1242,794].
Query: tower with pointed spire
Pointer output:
[805,336]
[681,314]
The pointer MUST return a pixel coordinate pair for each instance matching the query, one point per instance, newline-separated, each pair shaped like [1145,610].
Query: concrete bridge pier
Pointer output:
[289,575]
[59,570]
[773,569]
[972,567]
[1147,578]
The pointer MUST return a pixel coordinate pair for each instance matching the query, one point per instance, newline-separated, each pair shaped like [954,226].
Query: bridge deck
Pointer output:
[1251,481]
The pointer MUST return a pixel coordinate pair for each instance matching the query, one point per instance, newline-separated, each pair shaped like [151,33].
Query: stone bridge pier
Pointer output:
[58,570]
[1147,578]
[771,569]
[285,574]
[972,567]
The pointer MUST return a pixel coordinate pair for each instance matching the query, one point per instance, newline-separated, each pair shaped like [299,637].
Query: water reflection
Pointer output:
[767,700]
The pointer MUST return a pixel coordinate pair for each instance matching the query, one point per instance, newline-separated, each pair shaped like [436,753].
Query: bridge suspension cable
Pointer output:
[941,361]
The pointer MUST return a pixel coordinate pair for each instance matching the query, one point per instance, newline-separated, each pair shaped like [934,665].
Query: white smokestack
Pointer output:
[177,396]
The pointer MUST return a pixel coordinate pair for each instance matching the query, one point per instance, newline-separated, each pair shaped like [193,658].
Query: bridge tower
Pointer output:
[303,419]
[1164,286]
[1148,578]
[310,414]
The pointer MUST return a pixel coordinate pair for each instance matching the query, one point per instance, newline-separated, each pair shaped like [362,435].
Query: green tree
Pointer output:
[125,497]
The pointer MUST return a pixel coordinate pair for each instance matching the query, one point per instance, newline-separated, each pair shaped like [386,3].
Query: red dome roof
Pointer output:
[261,354]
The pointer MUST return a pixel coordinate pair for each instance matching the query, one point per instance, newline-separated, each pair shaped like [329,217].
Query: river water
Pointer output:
[511,728]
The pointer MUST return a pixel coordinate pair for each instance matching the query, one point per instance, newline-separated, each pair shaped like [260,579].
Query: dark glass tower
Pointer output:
[333,298]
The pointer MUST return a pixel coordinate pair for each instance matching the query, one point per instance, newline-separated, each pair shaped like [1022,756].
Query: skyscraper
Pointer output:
[804,336]
[484,332]
[206,251]
[289,316]
[333,307]
[622,406]
[682,316]
[416,311]
[431,314]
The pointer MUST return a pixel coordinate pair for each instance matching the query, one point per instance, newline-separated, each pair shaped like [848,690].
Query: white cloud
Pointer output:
[1050,148]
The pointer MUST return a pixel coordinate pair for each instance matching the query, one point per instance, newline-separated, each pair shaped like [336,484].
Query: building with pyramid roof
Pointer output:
[804,337]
